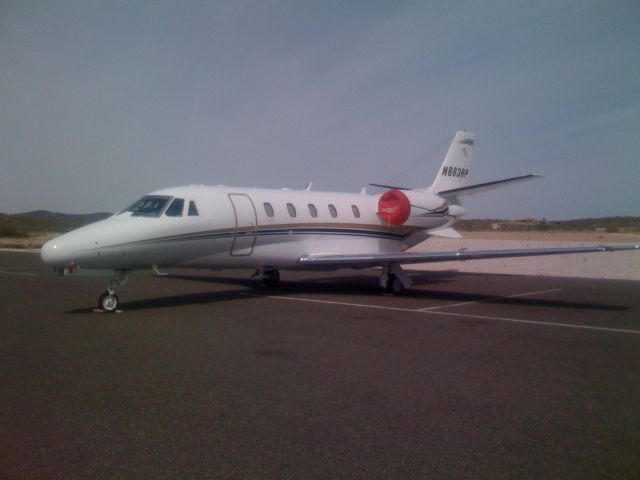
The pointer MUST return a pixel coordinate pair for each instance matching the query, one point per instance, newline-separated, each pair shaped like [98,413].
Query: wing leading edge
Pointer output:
[380,259]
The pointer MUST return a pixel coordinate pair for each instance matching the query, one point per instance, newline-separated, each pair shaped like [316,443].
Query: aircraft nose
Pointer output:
[52,254]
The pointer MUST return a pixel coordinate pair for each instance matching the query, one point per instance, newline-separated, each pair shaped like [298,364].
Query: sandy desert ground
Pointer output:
[610,265]
[31,242]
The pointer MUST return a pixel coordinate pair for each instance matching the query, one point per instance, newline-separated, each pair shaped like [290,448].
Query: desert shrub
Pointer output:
[12,231]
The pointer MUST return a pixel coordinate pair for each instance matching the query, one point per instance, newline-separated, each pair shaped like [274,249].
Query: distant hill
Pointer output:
[39,221]
[65,218]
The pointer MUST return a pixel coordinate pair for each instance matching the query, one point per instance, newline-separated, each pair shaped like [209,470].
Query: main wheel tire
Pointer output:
[271,278]
[388,286]
[108,302]
[396,286]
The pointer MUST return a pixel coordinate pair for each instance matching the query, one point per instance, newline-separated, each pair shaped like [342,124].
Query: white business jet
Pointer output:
[269,230]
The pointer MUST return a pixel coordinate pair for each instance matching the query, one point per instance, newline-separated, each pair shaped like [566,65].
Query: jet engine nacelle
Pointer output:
[412,208]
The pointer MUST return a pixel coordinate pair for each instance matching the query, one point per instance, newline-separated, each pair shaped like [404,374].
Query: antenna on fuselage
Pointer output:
[307,187]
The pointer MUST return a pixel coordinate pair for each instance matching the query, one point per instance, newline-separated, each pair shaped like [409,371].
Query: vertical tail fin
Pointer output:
[455,169]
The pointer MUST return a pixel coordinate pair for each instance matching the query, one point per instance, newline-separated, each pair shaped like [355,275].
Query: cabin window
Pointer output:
[193,210]
[291,209]
[313,210]
[268,209]
[333,211]
[176,207]
[356,211]
[148,206]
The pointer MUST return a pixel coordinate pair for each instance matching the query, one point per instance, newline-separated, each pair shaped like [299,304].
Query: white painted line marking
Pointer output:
[328,302]
[526,294]
[452,314]
[537,322]
[19,273]
[534,293]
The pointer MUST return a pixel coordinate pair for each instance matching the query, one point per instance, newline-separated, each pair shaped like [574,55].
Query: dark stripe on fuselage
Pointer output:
[287,230]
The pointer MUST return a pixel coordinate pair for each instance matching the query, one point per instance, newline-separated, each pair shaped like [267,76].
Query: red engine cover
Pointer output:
[394,207]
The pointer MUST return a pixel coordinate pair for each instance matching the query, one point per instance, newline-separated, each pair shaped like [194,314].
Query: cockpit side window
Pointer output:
[148,206]
[176,207]
[193,210]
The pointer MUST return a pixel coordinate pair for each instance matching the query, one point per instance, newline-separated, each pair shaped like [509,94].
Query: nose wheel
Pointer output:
[108,301]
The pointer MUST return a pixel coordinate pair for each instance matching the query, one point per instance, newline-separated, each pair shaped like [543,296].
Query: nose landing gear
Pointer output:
[108,300]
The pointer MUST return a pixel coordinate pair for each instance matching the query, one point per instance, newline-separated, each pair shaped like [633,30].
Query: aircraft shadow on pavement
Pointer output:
[174,301]
[353,285]
[358,285]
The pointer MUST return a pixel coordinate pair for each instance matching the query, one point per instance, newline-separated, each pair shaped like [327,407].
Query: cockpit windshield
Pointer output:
[148,206]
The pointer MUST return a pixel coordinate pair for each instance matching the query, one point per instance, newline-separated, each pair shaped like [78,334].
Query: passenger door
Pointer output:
[246,224]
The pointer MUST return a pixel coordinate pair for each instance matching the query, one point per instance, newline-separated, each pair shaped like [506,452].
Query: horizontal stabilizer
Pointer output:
[444,232]
[483,187]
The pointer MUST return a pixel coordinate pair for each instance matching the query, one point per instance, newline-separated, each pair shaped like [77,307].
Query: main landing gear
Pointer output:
[394,279]
[270,277]
[108,300]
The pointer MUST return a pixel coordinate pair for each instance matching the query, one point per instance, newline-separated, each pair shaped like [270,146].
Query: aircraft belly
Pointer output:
[283,251]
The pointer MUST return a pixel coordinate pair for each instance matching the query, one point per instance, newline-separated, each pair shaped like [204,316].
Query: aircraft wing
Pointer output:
[379,259]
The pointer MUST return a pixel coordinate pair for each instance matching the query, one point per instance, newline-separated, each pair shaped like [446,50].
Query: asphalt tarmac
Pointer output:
[208,375]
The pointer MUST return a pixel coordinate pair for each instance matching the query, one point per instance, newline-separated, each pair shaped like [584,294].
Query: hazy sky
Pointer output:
[103,101]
